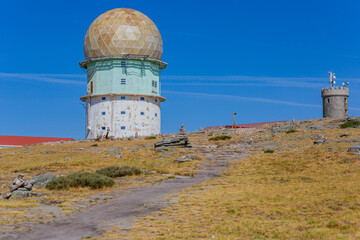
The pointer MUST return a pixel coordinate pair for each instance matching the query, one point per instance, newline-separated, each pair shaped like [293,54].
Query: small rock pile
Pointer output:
[182,131]
[21,188]
[181,140]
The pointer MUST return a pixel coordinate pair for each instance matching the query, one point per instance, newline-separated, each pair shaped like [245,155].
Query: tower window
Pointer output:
[103,113]
[123,64]
[122,127]
[154,84]
[155,114]
[92,87]
[142,98]
[142,113]
[156,100]
[103,98]
[123,81]
[122,97]
[328,100]
[103,128]
[345,99]
[122,112]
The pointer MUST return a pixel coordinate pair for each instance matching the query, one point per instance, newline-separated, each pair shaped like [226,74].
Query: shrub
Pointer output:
[82,179]
[291,130]
[350,124]
[95,145]
[217,138]
[268,150]
[116,171]
[150,137]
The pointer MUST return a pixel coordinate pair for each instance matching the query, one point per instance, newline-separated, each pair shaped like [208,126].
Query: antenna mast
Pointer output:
[332,78]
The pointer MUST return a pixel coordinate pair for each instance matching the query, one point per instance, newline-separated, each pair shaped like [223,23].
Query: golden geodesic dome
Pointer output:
[123,31]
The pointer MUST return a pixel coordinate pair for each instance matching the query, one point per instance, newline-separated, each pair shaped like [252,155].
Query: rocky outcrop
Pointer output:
[355,148]
[42,179]
[186,159]
[180,141]
[21,188]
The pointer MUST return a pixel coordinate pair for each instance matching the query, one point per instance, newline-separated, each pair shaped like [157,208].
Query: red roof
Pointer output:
[20,141]
[246,125]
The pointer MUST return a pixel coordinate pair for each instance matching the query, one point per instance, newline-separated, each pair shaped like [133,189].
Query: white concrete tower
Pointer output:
[123,50]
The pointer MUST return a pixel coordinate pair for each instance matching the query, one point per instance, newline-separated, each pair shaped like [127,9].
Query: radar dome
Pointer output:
[122,31]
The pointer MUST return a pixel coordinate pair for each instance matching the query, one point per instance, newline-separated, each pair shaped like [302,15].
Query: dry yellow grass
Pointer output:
[302,191]
[66,158]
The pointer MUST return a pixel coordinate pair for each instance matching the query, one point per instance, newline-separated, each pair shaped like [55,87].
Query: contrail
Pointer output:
[51,78]
[241,98]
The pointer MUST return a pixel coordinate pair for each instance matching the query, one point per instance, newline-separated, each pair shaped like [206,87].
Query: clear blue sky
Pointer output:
[265,60]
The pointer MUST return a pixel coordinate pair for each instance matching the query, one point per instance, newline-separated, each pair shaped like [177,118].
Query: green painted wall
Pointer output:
[106,76]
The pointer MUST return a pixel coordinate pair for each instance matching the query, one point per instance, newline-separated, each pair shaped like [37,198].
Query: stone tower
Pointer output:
[123,50]
[335,100]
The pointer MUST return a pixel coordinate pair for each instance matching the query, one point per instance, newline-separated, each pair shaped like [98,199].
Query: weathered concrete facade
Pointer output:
[335,102]
[123,50]
[124,115]
[124,76]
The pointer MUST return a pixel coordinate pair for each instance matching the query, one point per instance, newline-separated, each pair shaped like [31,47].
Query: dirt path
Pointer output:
[125,209]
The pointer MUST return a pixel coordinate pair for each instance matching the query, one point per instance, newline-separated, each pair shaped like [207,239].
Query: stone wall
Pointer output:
[335,102]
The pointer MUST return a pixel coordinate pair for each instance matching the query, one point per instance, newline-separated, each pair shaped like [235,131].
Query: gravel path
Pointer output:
[125,209]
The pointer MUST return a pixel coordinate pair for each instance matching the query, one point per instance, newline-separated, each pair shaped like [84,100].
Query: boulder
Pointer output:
[344,135]
[355,148]
[46,152]
[246,140]
[182,160]
[43,179]
[316,127]
[186,159]
[163,149]
[319,136]
[6,195]
[22,193]
[181,141]
[29,184]
[321,141]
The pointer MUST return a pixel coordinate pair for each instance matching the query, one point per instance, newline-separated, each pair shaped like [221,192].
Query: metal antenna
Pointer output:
[332,78]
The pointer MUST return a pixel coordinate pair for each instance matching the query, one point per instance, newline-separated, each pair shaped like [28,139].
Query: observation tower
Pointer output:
[123,50]
[335,99]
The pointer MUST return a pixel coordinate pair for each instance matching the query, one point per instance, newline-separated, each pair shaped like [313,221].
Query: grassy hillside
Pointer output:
[81,156]
[299,182]
[301,191]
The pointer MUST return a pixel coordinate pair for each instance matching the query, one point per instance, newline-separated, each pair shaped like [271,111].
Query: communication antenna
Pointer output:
[345,84]
[332,78]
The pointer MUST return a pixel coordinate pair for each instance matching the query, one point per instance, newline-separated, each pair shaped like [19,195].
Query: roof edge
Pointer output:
[84,98]
[162,64]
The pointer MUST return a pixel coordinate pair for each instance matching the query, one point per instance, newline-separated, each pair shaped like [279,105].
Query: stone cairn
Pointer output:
[19,187]
[182,131]
[181,140]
